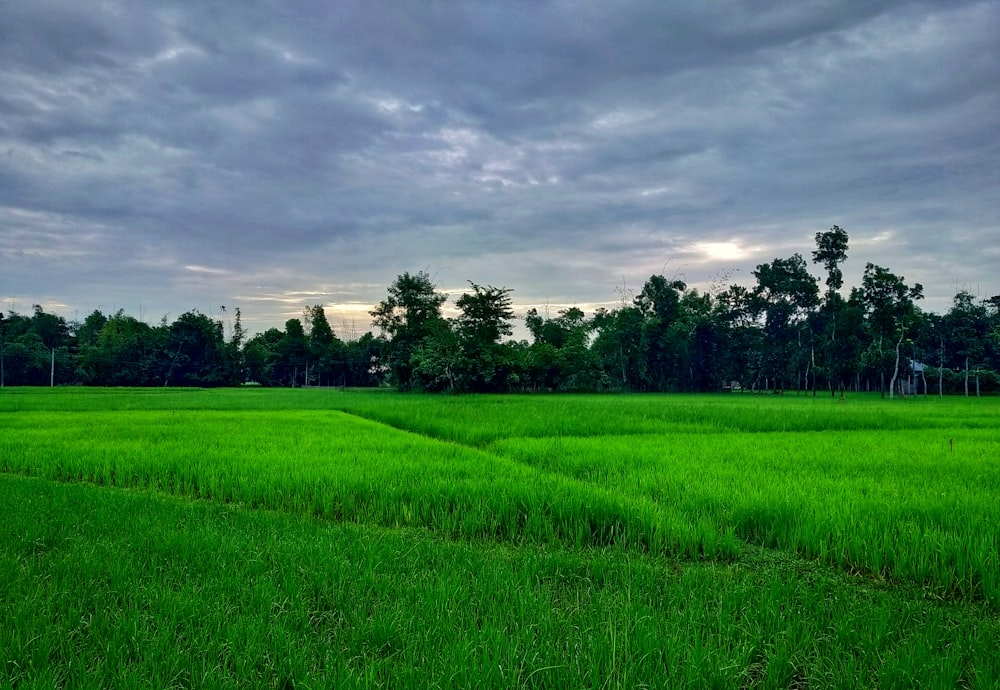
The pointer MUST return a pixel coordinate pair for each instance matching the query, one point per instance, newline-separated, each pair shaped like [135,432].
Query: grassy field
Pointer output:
[315,538]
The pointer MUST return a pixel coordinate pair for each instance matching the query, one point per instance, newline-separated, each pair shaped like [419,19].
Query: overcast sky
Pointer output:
[167,156]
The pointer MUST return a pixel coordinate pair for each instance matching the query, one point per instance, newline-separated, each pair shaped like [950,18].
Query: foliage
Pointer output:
[778,334]
[409,314]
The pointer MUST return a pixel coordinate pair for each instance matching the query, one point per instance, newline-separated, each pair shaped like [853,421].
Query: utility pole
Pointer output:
[52,373]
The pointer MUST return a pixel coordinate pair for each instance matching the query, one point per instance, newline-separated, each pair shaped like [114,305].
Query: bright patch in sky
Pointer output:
[721,251]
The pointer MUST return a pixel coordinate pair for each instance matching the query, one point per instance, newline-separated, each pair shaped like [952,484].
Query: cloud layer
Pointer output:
[169,156]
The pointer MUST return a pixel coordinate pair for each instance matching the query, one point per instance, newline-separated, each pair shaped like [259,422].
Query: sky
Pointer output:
[161,157]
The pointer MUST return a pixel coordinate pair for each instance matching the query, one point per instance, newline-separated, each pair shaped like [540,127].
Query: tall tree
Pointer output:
[560,356]
[234,350]
[831,252]
[784,294]
[890,305]
[734,311]
[968,326]
[291,354]
[410,312]
[705,339]
[486,315]
[660,304]
[617,345]
[468,355]
[124,354]
[195,352]
[325,348]
[260,358]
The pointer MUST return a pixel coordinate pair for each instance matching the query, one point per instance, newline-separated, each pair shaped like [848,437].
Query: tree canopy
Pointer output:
[779,334]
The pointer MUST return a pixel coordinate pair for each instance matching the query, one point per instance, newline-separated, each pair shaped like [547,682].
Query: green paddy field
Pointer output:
[322,538]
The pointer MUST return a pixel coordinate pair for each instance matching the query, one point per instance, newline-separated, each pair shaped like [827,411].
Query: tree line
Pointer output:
[783,333]
[193,350]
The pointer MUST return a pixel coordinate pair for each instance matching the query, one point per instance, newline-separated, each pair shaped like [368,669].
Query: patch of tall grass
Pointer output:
[131,589]
[918,506]
[328,464]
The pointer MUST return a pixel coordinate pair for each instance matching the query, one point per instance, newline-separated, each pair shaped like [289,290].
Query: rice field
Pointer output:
[323,538]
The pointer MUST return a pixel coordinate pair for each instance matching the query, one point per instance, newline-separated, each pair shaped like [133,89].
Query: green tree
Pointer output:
[485,317]
[784,295]
[290,355]
[3,340]
[439,362]
[743,336]
[25,359]
[831,252]
[705,342]
[661,341]
[560,356]
[234,350]
[260,357]
[890,307]
[363,361]
[617,345]
[123,354]
[410,313]
[325,348]
[968,326]
[194,352]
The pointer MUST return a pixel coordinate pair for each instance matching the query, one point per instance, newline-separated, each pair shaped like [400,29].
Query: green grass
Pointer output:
[892,504]
[119,588]
[339,467]
[185,538]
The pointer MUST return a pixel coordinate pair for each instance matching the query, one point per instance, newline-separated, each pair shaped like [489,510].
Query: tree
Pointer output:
[410,312]
[195,352]
[890,308]
[485,318]
[560,356]
[617,345]
[260,356]
[784,294]
[439,362]
[325,349]
[290,355]
[734,311]
[486,315]
[124,353]
[831,251]
[660,305]
[705,342]
[234,350]
[967,325]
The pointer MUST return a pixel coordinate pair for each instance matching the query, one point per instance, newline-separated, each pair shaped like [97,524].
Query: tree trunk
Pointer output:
[170,369]
[895,371]
[941,371]
[966,377]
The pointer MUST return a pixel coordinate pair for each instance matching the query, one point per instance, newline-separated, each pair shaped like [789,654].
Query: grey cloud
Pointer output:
[51,36]
[553,147]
